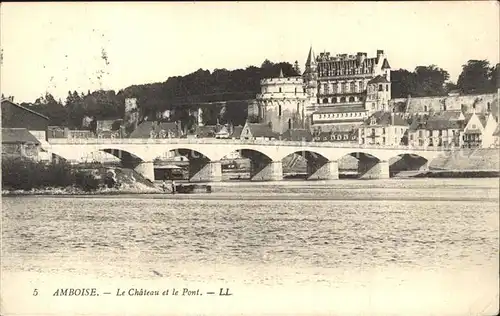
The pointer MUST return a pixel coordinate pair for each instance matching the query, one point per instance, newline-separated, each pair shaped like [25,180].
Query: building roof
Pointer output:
[261,130]
[297,134]
[24,108]
[379,79]
[206,131]
[497,131]
[339,109]
[382,118]
[341,65]
[144,129]
[433,125]
[386,65]
[333,136]
[237,132]
[310,57]
[447,115]
[18,136]
[483,118]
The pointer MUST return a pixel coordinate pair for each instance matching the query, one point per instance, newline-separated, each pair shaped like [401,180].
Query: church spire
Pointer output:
[310,58]
[281,73]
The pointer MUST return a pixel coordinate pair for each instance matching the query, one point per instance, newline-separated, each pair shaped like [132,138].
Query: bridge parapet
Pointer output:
[211,141]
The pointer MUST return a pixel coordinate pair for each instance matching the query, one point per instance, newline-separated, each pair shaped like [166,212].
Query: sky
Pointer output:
[57,47]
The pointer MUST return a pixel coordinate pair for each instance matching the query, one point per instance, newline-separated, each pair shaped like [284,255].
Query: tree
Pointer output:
[403,83]
[430,80]
[476,77]
[424,81]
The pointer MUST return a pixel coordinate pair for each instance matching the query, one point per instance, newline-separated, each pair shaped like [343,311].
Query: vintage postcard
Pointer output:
[250,158]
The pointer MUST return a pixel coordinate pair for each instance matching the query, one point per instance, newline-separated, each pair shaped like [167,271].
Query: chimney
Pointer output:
[360,57]
[380,54]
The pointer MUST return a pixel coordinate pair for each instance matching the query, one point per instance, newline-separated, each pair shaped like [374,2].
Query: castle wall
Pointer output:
[437,104]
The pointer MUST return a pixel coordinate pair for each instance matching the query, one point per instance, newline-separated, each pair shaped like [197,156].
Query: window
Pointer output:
[334,88]
[295,90]
[280,90]
[326,88]
[425,108]
[383,130]
[473,126]
[380,87]
[279,109]
[489,107]
[351,99]
[325,100]
[346,137]
[383,140]
[342,99]
[386,87]
[289,123]
[334,100]
[353,87]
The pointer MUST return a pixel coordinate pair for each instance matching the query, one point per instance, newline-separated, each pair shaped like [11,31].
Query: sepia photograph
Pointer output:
[250,158]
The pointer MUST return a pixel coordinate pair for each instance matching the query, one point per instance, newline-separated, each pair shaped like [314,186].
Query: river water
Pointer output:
[392,247]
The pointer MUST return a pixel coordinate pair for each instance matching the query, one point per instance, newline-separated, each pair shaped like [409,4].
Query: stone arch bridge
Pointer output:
[266,156]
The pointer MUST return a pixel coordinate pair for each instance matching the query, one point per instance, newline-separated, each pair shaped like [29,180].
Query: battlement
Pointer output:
[360,56]
[279,81]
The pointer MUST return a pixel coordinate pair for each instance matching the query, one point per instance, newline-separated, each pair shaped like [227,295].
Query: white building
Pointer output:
[383,128]
[282,102]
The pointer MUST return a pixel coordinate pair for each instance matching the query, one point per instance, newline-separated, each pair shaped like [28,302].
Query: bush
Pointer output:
[25,174]
[86,181]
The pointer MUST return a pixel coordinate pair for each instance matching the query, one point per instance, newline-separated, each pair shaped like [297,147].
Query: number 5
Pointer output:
[35,292]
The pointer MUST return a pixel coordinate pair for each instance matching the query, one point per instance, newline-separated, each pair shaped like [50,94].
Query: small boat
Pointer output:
[193,188]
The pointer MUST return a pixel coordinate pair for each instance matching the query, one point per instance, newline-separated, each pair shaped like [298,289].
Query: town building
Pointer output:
[236,132]
[334,136]
[297,135]
[258,131]
[346,89]
[479,129]
[496,138]
[383,128]
[20,143]
[17,116]
[151,129]
[435,133]
[282,102]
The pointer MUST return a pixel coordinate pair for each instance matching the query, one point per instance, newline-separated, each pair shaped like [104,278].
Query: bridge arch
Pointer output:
[202,164]
[265,163]
[408,162]
[367,166]
[305,163]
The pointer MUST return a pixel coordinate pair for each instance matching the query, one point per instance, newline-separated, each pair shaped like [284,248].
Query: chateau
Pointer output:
[334,93]
[345,89]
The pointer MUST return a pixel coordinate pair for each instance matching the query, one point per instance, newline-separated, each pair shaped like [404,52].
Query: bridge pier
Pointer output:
[320,170]
[271,171]
[210,171]
[373,170]
[146,169]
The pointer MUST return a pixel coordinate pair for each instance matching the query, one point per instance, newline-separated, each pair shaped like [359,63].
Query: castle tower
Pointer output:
[310,78]
[282,102]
